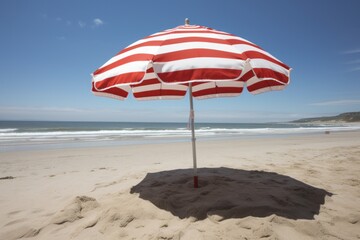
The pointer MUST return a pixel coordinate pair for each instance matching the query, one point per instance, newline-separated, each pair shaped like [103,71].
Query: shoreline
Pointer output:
[106,192]
[80,143]
[332,137]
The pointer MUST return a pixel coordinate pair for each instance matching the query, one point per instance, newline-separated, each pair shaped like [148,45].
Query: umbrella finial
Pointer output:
[187,21]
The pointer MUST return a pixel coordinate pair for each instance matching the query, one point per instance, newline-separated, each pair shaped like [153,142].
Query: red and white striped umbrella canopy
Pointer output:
[208,62]
[162,66]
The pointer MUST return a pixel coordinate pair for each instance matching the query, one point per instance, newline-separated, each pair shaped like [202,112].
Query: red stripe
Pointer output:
[232,41]
[144,44]
[258,55]
[199,74]
[194,53]
[265,73]
[204,30]
[150,70]
[194,39]
[174,41]
[131,58]
[264,84]
[126,78]
[217,90]
[114,91]
[196,83]
[192,27]
[177,31]
[247,76]
[159,93]
[147,82]
[186,40]
[238,41]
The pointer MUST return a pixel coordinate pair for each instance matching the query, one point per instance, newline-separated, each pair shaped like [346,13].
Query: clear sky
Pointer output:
[48,49]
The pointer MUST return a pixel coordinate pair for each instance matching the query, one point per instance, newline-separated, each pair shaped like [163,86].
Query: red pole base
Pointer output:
[196,182]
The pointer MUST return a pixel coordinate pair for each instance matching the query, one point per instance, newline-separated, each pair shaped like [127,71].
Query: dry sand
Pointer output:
[295,187]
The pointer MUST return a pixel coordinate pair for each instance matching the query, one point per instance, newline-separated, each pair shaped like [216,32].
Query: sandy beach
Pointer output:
[289,187]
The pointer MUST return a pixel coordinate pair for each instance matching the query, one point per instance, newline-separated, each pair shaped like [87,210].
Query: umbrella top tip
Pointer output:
[187,21]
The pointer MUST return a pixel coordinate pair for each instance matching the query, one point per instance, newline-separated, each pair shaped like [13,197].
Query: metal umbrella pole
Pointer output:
[193,139]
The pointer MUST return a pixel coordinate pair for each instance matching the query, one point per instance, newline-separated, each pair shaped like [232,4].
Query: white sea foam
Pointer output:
[11,135]
[5,130]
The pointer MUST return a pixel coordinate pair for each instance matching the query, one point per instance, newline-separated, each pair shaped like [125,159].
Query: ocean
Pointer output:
[32,135]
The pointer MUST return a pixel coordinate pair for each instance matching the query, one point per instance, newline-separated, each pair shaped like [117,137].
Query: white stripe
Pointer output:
[223,36]
[230,84]
[252,81]
[158,86]
[194,63]
[203,86]
[149,76]
[255,80]
[241,39]
[244,48]
[171,97]
[171,48]
[135,43]
[262,63]
[217,95]
[104,94]
[182,35]
[267,89]
[146,88]
[179,46]
[210,85]
[177,87]
[139,66]
[172,34]
[196,45]
[139,50]
[185,28]
[153,49]
[124,87]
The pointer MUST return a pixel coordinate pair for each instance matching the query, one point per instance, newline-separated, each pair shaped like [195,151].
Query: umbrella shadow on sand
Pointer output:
[230,193]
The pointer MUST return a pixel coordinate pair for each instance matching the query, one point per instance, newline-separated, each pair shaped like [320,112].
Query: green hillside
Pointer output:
[344,117]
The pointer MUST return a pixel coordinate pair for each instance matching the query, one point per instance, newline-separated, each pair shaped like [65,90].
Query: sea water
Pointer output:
[24,135]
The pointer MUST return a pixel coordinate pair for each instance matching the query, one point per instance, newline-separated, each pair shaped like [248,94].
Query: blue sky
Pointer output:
[50,48]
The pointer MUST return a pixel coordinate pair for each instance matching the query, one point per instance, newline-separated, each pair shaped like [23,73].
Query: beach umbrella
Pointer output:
[203,61]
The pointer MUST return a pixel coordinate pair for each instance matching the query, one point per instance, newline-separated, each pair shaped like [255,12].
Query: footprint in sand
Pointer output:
[15,222]
[75,210]
[7,178]
[14,212]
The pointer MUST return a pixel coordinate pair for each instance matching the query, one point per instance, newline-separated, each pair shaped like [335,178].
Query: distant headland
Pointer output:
[348,117]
